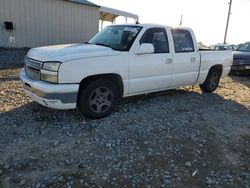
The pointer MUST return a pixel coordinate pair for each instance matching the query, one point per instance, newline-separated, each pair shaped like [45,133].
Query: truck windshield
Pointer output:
[244,47]
[118,38]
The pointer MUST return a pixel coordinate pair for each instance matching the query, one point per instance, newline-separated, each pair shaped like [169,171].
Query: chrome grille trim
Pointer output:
[33,63]
[33,68]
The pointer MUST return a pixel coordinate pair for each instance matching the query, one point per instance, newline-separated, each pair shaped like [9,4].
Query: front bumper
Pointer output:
[58,96]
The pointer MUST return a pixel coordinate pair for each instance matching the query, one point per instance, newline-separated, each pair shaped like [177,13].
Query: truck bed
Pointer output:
[211,57]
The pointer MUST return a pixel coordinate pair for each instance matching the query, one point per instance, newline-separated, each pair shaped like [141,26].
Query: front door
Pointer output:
[152,72]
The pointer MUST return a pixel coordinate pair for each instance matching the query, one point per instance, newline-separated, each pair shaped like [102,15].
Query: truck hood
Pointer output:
[69,52]
[241,55]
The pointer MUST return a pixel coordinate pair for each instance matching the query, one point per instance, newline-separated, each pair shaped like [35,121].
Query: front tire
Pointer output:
[98,99]
[212,81]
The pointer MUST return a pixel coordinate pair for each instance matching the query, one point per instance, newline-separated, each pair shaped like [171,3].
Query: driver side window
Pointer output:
[157,37]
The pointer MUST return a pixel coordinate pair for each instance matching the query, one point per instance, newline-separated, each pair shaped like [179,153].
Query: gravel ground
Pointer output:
[12,57]
[177,138]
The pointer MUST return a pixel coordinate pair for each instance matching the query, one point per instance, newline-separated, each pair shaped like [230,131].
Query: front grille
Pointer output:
[33,68]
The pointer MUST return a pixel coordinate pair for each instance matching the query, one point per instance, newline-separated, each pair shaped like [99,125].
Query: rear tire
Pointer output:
[212,81]
[98,99]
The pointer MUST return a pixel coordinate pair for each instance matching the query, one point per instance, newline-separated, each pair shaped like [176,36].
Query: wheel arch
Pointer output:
[116,78]
[218,67]
[209,85]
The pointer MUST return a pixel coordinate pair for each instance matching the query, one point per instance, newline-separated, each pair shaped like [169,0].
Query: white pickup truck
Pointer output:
[120,61]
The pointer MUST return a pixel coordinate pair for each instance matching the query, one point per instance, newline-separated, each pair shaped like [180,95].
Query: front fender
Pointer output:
[76,70]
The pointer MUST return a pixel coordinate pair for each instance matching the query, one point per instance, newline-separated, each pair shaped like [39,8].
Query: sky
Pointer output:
[206,17]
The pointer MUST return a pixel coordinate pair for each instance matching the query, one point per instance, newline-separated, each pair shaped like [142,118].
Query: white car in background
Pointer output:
[221,47]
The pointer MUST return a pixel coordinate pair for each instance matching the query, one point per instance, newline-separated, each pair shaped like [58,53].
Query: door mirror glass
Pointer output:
[145,48]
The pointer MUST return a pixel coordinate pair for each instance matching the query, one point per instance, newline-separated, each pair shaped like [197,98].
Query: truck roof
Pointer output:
[148,25]
[142,25]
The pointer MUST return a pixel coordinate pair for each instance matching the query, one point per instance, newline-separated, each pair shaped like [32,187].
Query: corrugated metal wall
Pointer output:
[46,22]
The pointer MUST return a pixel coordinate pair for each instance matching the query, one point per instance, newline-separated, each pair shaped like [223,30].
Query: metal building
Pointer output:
[30,23]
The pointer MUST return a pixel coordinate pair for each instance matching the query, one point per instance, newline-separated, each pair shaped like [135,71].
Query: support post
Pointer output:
[181,20]
[228,17]
[102,25]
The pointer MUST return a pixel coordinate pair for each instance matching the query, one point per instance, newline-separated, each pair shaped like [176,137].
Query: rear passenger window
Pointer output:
[183,41]
[157,37]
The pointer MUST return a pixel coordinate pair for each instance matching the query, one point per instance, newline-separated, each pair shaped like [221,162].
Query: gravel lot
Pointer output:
[177,138]
[12,57]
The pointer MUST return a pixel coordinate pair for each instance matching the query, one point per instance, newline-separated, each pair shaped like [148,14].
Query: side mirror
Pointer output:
[145,48]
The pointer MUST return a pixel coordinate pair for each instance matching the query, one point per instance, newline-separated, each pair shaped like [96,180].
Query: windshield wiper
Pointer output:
[87,43]
[101,44]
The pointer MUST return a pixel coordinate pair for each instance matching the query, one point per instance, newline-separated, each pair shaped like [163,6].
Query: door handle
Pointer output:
[169,61]
[193,60]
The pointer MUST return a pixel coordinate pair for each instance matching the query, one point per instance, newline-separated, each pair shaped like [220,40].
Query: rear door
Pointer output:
[186,58]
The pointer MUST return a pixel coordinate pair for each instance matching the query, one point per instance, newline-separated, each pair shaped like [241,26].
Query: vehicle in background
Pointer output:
[221,47]
[241,59]
[234,46]
[120,61]
[203,47]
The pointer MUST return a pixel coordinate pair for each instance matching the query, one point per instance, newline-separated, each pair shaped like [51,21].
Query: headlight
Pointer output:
[49,78]
[51,66]
[49,72]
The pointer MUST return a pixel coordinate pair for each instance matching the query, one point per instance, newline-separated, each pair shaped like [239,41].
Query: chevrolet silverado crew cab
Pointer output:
[120,61]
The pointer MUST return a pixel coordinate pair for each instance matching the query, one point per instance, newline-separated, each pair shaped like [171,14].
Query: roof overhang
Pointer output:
[109,14]
[84,2]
